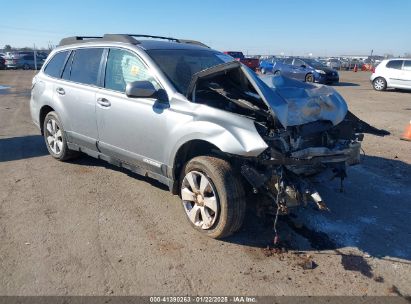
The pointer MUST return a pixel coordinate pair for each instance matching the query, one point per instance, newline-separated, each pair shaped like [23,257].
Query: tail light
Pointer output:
[33,82]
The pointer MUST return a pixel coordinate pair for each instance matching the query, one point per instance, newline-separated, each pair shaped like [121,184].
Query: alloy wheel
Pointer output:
[379,84]
[54,136]
[309,78]
[199,199]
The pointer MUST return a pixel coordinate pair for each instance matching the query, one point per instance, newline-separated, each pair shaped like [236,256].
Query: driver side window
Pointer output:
[124,67]
[298,62]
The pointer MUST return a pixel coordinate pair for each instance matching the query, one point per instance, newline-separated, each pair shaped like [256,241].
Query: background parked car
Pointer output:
[392,73]
[305,69]
[25,62]
[252,63]
[2,63]
[266,65]
[333,63]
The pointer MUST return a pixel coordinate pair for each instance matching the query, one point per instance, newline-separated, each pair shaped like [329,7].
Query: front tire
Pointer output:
[213,196]
[379,84]
[55,137]
[309,78]
[26,67]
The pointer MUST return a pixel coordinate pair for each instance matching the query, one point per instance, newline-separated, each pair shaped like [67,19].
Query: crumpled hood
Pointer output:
[290,101]
[306,102]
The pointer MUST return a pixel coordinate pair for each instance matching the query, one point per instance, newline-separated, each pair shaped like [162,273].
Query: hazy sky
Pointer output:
[255,27]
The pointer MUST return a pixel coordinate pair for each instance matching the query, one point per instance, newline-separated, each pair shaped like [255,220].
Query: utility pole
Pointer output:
[35,57]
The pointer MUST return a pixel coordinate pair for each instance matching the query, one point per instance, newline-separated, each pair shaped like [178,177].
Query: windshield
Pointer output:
[315,63]
[180,65]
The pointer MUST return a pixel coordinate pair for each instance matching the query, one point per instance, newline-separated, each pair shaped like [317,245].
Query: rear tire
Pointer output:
[379,84]
[223,184]
[55,138]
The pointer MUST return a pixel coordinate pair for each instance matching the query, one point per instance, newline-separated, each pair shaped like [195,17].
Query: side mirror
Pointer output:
[141,89]
[303,66]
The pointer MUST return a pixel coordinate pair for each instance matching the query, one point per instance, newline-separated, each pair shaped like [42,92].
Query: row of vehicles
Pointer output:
[346,64]
[29,60]
[390,73]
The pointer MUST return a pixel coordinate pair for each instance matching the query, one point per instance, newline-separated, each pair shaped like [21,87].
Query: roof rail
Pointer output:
[76,39]
[125,38]
[151,36]
[193,42]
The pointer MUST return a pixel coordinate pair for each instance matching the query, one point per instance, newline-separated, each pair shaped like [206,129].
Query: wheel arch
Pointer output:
[309,73]
[187,151]
[387,85]
[43,113]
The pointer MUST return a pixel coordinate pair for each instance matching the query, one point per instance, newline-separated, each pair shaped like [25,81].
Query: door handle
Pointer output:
[103,102]
[60,91]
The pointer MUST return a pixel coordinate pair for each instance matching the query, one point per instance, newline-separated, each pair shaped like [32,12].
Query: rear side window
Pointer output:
[407,65]
[394,64]
[288,61]
[86,65]
[55,65]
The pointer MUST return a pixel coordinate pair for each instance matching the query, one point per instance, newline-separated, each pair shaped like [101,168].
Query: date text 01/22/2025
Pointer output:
[202,299]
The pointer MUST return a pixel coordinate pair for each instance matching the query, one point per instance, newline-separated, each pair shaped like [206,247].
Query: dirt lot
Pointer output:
[86,228]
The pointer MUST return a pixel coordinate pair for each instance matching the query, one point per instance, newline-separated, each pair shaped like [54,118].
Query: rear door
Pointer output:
[393,71]
[76,92]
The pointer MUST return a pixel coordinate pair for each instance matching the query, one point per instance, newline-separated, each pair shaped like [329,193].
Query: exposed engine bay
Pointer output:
[307,127]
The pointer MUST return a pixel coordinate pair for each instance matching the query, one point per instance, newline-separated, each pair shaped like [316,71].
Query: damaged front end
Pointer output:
[307,127]
[297,153]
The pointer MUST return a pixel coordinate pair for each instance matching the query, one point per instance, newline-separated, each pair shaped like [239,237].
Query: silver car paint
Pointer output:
[307,102]
[123,128]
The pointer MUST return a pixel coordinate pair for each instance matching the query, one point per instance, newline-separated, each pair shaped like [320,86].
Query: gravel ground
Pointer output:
[86,228]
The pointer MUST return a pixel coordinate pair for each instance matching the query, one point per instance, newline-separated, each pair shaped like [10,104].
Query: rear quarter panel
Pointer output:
[42,95]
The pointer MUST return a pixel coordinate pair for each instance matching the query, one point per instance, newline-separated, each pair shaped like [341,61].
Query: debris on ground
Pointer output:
[270,251]
[307,262]
[394,289]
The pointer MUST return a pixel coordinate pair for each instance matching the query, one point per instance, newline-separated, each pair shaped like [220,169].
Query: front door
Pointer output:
[130,129]
[299,69]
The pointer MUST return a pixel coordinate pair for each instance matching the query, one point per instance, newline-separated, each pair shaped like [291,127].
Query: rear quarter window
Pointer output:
[55,65]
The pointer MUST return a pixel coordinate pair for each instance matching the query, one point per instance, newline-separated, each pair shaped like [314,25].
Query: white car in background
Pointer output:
[333,63]
[392,73]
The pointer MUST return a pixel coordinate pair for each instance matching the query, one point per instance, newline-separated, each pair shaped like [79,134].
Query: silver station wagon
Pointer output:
[196,120]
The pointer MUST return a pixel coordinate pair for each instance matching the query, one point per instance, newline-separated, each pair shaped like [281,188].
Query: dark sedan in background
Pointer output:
[2,63]
[305,69]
